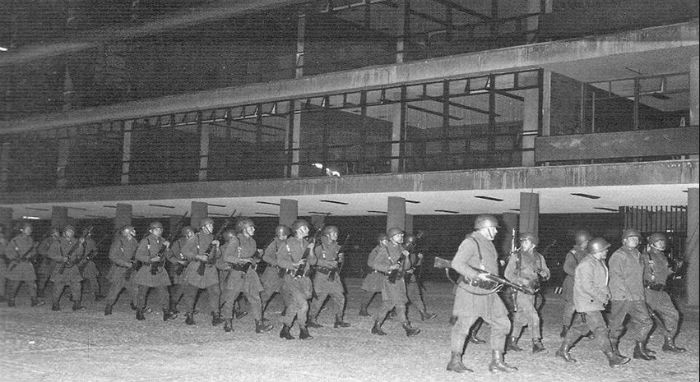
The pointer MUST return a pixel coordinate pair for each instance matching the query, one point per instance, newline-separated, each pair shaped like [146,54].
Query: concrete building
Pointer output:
[396,108]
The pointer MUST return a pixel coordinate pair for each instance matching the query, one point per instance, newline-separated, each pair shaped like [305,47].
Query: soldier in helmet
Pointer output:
[374,281]
[178,262]
[573,258]
[297,289]
[3,264]
[526,267]
[591,294]
[272,279]
[326,258]
[413,285]
[477,252]
[627,290]
[150,252]
[88,269]
[198,253]
[238,257]
[656,272]
[121,254]
[393,258]
[44,263]
[66,273]
[20,251]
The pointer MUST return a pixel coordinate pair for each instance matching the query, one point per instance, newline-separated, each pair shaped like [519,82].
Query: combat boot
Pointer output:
[339,323]
[564,330]
[37,302]
[77,306]
[262,326]
[363,312]
[410,331]
[11,302]
[639,352]
[168,315]
[497,363]
[512,344]
[563,352]
[473,339]
[424,316]
[284,333]
[456,364]
[139,314]
[173,307]
[311,322]
[615,359]
[304,334]
[670,346]
[189,318]
[228,325]
[108,309]
[133,306]
[377,329]
[216,319]
[537,346]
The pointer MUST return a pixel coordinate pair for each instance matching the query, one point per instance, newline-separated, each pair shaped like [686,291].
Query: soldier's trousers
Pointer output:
[116,287]
[415,296]
[660,302]
[58,287]
[177,291]
[163,296]
[230,295]
[296,293]
[190,297]
[640,321]
[3,280]
[337,298]
[589,321]
[526,316]
[13,287]
[94,286]
[495,315]
[568,313]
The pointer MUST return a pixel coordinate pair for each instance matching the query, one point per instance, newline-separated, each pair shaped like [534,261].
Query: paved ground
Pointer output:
[41,345]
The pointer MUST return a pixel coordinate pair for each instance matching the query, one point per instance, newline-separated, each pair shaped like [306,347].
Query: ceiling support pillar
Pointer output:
[289,210]
[396,213]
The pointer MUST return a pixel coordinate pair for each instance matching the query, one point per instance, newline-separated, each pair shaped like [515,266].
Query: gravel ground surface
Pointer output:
[41,345]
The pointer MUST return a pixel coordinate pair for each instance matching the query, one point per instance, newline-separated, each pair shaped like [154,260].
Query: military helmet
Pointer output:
[530,236]
[243,223]
[582,236]
[631,232]
[282,229]
[381,237]
[206,221]
[597,245]
[155,225]
[299,223]
[186,230]
[391,232]
[657,236]
[409,239]
[65,229]
[229,234]
[483,221]
[330,228]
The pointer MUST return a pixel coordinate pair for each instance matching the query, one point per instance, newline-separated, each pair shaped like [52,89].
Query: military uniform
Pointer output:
[66,273]
[148,248]
[3,267]
[88,269]
[413,285]
[121,254]
[194,281]
[573,258]
[327,282]
[271,279]
[296,291]
[373,281]
[177,271]
[20,251]
[45,265]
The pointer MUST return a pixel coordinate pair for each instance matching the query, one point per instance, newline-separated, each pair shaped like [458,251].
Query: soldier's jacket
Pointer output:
[174,254]
[387,256]
[238,248]
[291,252]
[121,254]
[371,258]
[89,270]
[19,251]
[60,251]
[572,260]
[531,262]
[270,253]
[326,254]
[656,269]
[626,271]
[467,256]
[591,291]
[198,246]
[150,247]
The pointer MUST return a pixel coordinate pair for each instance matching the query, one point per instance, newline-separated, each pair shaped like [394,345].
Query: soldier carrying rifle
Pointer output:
[20,251]
[148,253]
[66,273]
[121,254]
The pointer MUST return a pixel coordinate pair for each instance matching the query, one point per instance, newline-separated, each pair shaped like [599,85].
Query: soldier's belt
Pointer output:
[380,272]
[654,286]
[241,267]
[325,271]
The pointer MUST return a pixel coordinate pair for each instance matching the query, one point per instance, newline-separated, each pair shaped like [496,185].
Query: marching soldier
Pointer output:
[88,269]
[3,263]
[526,267]
[297,289]
[656,272]
[201,253]
[374,281]
[591,294]
[45,265]
[238,255]
[413,286]
[326,259]
[20,251]
[472,301]
[392,261]
[66,273]
[121,254]
[573,258]
[178,264]
[272,278]
[151,274]
[627,290]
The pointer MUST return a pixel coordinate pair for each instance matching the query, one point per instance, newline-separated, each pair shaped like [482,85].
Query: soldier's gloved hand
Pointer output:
[215,242]
[483,276]
[166,244]
[155,259]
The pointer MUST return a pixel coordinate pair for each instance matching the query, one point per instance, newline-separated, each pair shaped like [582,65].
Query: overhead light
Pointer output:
[216,205]
[109,206]
[334,202]
[606,209]
[216,214]
[161,205]
[376,212]
[319,213]
[447,211]
[270,203]
[97,216]
[3,49]
[78,208]
[412,201]
[265,213]
[317,165]
[489,198]
[515,209]
[588,196]
[36,209]
[31,218]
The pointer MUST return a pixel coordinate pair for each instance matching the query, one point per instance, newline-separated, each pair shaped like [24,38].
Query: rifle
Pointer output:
[518,261]
[173,236]
[441,263]
[73,262]
[211,258]
[90,255]
[25,256]
[302,270]
[331,276]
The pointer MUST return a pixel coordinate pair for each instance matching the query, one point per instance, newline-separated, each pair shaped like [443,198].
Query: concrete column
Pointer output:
[396,212]
[301,32]
[123,215]
[531,118]
[59,217]
[408,224]
[529,212]
[396,129]
[692,248]
[199,211]
[6,220]
[403,13]
[62,162]
[546,102]
[532,22]
[510,223]
[203,152]
[126,152]
[694,97]
[317,221]
[289,210]
[296,141]
[4,166]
